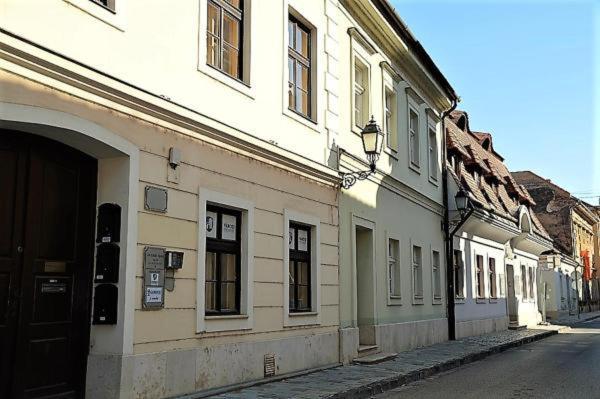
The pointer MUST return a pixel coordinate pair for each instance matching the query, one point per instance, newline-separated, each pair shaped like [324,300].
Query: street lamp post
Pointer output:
[372,140]
[465,210]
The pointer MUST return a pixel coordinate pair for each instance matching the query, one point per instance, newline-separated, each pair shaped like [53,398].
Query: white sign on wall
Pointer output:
[302,240]
[154,294]
[228,227]
[211,224]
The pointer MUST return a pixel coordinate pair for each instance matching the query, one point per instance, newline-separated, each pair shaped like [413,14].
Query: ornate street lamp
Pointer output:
[462,200]
[372,140]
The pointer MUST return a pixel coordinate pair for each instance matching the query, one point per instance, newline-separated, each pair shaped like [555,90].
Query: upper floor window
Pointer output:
[433,154]
[299,268]
[413,137]
[222,265]
[299,67]
[224,36]
[531,282]
[361,94]
[390,119]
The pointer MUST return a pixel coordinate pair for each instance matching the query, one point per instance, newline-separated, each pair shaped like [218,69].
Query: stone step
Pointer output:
[365,350]
[517,327]
[375,358]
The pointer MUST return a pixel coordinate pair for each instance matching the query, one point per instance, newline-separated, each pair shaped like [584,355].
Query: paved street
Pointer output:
[566,365]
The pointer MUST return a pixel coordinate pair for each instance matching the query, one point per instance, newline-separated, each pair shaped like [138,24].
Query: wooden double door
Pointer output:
[47,215]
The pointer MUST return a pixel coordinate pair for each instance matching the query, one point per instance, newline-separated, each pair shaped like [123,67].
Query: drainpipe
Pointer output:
[449,238]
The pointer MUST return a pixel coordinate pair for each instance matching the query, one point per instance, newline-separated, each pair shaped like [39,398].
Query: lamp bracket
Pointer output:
[349,179]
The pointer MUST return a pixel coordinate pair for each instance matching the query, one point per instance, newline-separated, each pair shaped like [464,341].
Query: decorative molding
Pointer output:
[362,40]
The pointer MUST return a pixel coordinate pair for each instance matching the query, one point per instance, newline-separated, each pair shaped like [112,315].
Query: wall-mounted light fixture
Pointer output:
[372,140]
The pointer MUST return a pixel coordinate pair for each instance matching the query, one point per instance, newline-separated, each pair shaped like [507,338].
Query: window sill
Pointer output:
[394,300]
[493,300]
[459,300]
[392,153]
[227,317]
[418,301]
[310,123]
[433,181]
[481,300]
[437,301]
[302,314]
[229,81]
[107,15]
[415,168]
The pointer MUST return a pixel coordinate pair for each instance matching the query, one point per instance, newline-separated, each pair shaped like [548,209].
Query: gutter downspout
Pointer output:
[449,238]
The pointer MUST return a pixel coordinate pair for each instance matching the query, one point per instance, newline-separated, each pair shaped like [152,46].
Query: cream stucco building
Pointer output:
[204,127]
[392,268]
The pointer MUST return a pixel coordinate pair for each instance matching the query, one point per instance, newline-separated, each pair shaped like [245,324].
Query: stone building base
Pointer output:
[468,328]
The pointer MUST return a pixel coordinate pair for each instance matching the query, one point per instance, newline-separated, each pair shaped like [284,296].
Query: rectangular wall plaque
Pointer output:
[155,199]
[154,278]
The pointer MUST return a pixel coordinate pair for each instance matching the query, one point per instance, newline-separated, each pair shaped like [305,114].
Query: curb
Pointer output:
[386,384]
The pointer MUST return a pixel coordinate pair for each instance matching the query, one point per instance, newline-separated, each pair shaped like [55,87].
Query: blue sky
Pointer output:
[525,72]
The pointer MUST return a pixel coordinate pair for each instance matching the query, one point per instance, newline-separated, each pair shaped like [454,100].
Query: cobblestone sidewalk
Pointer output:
[362,381]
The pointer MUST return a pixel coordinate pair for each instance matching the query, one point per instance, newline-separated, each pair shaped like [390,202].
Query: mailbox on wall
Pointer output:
[105,304]
[109,223]
[107,263]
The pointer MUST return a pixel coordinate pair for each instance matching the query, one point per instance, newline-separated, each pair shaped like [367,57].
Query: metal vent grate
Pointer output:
[269,365]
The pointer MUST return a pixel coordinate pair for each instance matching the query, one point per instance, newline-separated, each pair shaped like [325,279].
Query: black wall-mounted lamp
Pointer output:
[372,140]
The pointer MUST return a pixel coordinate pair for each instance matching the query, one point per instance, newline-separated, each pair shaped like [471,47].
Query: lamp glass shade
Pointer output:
[372,138]
[461,200]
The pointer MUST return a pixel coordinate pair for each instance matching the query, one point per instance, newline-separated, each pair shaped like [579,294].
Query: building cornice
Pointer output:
[31,60]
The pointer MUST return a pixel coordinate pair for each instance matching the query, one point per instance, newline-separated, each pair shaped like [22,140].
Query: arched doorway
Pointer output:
[47,217]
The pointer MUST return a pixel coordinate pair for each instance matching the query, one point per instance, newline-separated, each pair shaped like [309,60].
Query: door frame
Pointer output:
[110,149]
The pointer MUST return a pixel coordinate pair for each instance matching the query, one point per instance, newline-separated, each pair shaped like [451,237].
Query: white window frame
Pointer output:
[393,299]
[313,317]
[437,300]
[246,85]
[114,17]
[365,92]
[417,298]
[245,320]
[361,50]
[463,260]
[305,14]
[496,275]
[433,169]
[416,166]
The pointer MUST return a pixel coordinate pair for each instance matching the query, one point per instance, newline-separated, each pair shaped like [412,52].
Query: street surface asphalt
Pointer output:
[566,365]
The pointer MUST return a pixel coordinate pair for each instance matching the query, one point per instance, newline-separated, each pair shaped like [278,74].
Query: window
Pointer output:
[524,282]
[394,267]
[299,269]
[479,276]
[458,268]
[390,119]
[492,273]
[562,290]
[437,275]
[222,265]
[531,283]
[417,266]
[361,94]
[413,137]
[299,68]
[433,154]
[224,36]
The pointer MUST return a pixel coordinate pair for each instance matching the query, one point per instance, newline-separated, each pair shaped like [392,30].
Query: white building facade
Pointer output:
[497,245]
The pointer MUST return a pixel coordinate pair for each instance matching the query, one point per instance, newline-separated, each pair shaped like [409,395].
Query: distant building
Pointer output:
[573,225]
[495,252]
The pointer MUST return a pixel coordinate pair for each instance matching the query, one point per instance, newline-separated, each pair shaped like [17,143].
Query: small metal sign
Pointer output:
[155,199]
[154,278]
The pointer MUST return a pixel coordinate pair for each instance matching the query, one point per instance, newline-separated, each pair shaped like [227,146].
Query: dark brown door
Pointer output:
[47,208]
